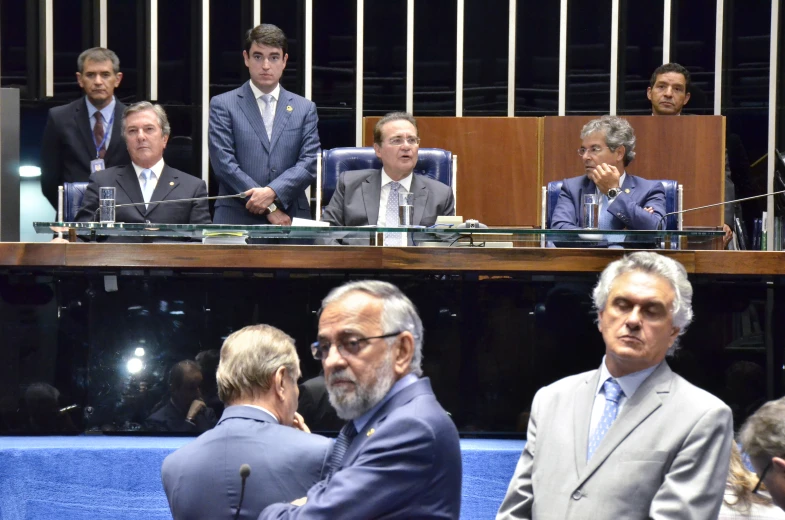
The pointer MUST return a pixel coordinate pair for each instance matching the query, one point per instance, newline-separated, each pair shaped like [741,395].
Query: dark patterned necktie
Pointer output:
[98,134]
[348,433]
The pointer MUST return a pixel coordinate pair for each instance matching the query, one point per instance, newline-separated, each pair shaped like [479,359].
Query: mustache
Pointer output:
[342,375]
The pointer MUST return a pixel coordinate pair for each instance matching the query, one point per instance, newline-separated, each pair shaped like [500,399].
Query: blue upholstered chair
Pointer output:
[434,162]
[672,203]
[73,194]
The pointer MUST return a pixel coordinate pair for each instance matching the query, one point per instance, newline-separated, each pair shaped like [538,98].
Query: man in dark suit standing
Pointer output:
[257,381]
[365,197]
[398,455]
[147,178]
[85,134]
[263,139]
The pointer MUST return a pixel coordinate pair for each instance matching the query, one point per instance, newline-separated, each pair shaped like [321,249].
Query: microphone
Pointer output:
[238,196]
[659,224]
[245,471]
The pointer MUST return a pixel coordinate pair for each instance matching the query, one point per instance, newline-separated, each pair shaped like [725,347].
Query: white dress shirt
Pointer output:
[276,93]
[265,410]
[406,187]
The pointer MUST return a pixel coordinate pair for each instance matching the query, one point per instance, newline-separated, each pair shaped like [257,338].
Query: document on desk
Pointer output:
[304,222]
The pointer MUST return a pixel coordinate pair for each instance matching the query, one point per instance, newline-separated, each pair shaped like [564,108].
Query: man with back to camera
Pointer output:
[185,411]
[257,380]
[763,438]
[147,178]
[365,197]
[398,455]
[85,135]
[626,201]
[263,139]
[632,439]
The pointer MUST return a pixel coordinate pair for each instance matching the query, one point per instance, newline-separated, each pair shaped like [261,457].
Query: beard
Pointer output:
[352,402]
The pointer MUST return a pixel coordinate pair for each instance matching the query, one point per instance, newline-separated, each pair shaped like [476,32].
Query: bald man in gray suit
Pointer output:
[631,440]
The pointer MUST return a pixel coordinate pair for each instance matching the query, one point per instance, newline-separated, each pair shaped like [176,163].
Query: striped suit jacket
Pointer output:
[243,157]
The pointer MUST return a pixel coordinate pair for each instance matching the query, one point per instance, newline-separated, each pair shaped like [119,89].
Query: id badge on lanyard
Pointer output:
[98,164]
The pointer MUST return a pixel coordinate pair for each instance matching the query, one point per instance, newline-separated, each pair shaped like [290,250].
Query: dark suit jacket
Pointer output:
[173,184]
[356,199]
[243,157]
[169,418]
[202,479]
[405,463]
[67,146]
[627,208]
[314,405]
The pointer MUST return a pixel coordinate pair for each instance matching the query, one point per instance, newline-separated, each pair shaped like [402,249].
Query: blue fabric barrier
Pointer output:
[89,477]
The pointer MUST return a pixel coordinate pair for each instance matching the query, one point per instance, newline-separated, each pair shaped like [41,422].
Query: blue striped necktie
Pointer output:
[613,393]
[348,433]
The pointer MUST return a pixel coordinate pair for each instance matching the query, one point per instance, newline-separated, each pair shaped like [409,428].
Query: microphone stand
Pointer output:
[659,225]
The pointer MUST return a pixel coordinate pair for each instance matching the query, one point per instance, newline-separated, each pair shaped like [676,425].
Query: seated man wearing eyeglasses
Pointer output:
[364,197]
[398,456]
[763,439]
[626,201]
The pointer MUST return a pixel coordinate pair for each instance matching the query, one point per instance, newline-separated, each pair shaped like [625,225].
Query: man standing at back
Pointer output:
[85,135]
[630,440]
[263,139]
[257,381]
[398,456]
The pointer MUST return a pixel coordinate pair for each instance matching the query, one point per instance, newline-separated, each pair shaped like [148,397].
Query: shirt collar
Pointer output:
[406,182]
[157,168]
[265,410]
[629,383]
[276,93]
[106,112]
[361,421]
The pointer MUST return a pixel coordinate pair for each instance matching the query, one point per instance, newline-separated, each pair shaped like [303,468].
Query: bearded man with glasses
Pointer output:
[763,438]
[398,455]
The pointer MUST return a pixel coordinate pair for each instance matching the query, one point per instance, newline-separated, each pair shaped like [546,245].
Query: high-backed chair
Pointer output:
[73,194]
[673,201]
[435,163]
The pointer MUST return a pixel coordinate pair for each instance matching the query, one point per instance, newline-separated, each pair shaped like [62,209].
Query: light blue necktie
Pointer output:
[147,185]
[342,442]
[391,218]
[613,393]
[268,115]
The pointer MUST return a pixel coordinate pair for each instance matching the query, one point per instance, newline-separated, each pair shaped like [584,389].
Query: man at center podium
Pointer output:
[626,201]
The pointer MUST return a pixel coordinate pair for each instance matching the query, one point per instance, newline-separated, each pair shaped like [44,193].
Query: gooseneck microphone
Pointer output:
[659,224]
[245,470]
[238,196]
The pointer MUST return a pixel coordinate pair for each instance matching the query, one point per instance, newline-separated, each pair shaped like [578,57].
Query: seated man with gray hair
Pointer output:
[147,179]
[631,439]
[626,201]
[257,381]
[763,438]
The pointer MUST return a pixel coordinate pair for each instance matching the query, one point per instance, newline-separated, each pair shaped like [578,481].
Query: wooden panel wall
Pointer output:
[690,149]
[498,164]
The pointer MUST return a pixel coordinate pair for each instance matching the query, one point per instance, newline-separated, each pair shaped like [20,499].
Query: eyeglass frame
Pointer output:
[416,142]
[592,152]
[315,346]
[762,476]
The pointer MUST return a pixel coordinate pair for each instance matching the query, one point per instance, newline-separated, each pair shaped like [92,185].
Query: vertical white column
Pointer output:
[563,58]
[614,56]
[666,32]
[358,122]
[511,60]
[154,49]
[48,46]
[308,48]
[718,48]
[410,56]
[459,61]
[773,65]
[257,12]
[205,90]
[102,24]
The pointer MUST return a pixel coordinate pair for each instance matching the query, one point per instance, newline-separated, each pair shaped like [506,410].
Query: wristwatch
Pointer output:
[272,208]
[613,193]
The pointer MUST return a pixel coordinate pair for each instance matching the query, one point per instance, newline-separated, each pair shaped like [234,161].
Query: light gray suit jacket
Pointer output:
[356,199]
[665,457]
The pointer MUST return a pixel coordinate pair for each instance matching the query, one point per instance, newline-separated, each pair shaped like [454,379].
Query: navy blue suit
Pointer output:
[202,479]
[243,157]
[404,463]
[627,208]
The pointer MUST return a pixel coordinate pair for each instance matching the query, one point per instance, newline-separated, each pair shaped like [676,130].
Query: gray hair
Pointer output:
[398,313]
[659,265]
[763,435]
[249,359]
[141,106]
[98,54]
[618,132]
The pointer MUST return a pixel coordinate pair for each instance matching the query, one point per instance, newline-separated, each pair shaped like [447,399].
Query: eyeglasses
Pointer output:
[594,150]
[348,345]
[762,476]
[398,141]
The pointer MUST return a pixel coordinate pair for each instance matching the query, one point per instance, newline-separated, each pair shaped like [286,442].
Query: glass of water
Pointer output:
[106,203]
[591,211]
[405,209]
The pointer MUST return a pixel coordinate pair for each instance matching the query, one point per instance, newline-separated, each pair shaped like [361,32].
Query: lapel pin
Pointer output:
[627,190]
[171,183]
[289,108]
[370,432]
